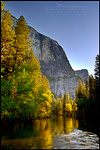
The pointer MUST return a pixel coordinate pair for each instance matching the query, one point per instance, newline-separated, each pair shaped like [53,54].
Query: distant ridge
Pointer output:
[83,73]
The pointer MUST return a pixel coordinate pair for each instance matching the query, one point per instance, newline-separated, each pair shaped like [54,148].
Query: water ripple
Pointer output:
[77,139]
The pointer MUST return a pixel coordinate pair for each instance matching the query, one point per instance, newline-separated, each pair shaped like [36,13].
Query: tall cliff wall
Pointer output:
[83,73]
[54,63]
[53,60]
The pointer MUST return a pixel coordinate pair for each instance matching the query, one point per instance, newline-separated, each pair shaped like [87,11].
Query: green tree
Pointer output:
[76,94]
[59,106]
[74,107]
[7,46]
[97,89]
[92,94]
[64,102]
[25,93]
[22,42]
[97,69]
[67,98]
[70,100]
[45,83]
[86,89]
[81,90]
[16,96]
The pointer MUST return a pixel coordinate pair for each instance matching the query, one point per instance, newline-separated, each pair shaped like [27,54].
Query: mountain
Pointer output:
[83,73]
[54,63]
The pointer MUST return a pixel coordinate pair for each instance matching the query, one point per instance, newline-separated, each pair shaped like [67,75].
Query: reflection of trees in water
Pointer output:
[39,134]
[75,123]
[44,132]
[64,125]
[69,124]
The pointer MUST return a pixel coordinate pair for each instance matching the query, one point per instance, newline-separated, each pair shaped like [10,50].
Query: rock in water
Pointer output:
[54,63]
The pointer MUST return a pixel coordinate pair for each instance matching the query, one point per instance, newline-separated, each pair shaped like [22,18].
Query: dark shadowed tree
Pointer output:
[97,69]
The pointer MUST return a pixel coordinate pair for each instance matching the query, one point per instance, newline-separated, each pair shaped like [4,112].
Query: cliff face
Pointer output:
[83,73]
[54,63]
[53,60]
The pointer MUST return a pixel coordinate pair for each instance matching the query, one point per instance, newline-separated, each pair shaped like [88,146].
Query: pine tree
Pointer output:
[25,92]
[45,83]
[70,100]
[67,97]
[2,7]
[92,88]
[64,102]
[7,39]
[74,107]
[22,42]
[97,70]
[97,90]
[76,94]
[81,90]
[33,62]
[86,89]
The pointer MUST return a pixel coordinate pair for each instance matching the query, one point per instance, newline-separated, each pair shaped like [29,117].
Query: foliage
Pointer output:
[92,93]
[68,108]
[80,92]
[2,6]
[22,43]
[23,97]
[97,86]
[65,105]
[86,89]
[7,45]
[88,104]
[97,69]
[74,108]
[17,93]
[25,93]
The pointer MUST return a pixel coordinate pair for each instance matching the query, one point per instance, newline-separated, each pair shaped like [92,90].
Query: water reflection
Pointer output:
[39,134]
[64,125]
[36,135]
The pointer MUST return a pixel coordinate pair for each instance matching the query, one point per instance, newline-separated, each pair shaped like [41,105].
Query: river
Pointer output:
[51,133]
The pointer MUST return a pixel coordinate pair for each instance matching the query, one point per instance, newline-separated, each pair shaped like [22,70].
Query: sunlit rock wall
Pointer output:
[54,63]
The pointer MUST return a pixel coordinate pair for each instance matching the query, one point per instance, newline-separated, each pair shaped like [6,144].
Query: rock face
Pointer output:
[53,60]
[54,63]
[83,73]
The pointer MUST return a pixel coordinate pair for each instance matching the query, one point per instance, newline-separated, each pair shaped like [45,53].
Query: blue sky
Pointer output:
[73,24]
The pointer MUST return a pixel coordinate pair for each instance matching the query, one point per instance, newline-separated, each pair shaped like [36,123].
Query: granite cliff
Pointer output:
[83,73]
[54,63]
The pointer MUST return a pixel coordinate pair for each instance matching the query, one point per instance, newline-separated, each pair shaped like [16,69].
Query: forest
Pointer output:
[25,92]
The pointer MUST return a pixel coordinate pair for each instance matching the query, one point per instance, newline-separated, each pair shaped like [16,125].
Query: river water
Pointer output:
[51,133]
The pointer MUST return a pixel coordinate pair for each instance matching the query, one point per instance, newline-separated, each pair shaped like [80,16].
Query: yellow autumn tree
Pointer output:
[22,42]
[68,109]
[26,92]
[7,43]
[80,92]
[74,107]
[2,6]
